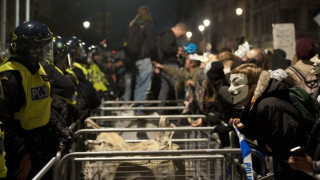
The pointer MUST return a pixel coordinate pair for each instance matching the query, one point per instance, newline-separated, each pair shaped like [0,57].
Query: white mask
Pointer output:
[239,88]
[278,74]
[316,64]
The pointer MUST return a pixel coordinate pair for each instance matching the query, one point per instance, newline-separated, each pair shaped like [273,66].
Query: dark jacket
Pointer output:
[18,141]
[272,120]
[87,88]
[167,47]
[149,45]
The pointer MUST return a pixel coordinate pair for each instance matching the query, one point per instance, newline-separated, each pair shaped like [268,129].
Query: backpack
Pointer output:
[134,40]
[308,83]
[307,106]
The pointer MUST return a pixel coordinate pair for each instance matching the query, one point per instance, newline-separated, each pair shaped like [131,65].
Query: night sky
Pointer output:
[67,17]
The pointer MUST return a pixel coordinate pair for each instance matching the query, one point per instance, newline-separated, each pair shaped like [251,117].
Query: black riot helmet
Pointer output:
[61,54]
[77,50]
[32,41]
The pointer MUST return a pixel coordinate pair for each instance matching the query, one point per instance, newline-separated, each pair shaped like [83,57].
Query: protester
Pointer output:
[310,161]
[300,73]
[260,57]
[269,116]
[278,60]
[213,103]
[139,64]
[168,50]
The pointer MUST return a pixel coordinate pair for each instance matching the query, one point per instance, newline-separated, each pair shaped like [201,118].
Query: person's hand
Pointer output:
[186,103]
[190,83]
[156,70]
[303,163]
[158,65]
[237,123]
[197,122]
[24,167]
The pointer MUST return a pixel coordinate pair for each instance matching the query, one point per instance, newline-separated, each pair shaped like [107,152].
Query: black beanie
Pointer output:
[216,71]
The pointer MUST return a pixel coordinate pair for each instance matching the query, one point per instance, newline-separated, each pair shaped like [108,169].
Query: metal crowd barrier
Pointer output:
[185,137]
[110,121]
[198,164]
[141,102]
[123,108]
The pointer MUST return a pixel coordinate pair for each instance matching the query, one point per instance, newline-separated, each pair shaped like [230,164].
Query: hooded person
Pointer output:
[268,116]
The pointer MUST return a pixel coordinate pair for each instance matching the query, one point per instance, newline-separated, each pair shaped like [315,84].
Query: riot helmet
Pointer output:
[32,41]
[61,54]
[77,50]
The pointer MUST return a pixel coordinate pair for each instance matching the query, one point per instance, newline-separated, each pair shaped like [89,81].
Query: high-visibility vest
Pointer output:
[36,110]
[72,100]
[97,78]
[83,68]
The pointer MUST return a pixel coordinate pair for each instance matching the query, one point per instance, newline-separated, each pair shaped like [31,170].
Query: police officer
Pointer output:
[62,63]
[97,76]
[79,62]
[26,104]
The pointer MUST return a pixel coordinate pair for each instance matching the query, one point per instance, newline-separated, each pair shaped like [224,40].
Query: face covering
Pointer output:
[316,64]
[278,74]
[239,88]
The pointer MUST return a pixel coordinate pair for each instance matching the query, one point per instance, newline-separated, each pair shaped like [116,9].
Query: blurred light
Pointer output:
[86,24]
[239,11]
[201,28]
[189,34]
[113,51]
[206,22]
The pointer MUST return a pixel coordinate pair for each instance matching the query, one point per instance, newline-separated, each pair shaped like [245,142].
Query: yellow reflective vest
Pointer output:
[72,100]
[3,167]
[97,78]
[36,110]
[84,70]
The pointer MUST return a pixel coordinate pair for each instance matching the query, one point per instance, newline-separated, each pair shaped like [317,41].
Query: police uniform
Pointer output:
[97,78]
[85,85]
[24,111]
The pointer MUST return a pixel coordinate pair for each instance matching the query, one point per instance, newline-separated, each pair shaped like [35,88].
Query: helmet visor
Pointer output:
[48,51]
[69,61]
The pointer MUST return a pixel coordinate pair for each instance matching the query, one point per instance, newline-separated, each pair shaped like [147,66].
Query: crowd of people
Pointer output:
[48,82]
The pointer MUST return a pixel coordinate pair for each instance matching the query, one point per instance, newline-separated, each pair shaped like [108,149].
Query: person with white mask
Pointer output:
[268,115]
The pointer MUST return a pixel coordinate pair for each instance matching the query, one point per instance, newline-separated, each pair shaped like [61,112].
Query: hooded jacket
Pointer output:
[271,119]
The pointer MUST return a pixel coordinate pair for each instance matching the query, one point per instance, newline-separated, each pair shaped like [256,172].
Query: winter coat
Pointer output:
[149,45]
[271,119]
[167,47]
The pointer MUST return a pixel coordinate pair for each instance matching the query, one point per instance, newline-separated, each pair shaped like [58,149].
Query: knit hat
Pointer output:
[305,49]
[216,71]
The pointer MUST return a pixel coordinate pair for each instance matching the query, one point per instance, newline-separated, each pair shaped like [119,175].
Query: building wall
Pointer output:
[255,24]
